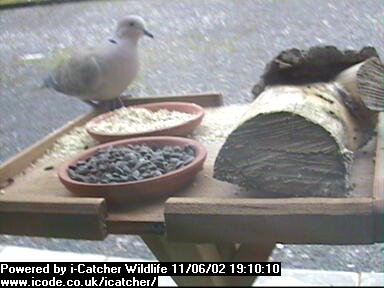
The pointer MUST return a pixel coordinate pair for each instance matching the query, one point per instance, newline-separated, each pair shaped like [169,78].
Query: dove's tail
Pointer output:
[48,82]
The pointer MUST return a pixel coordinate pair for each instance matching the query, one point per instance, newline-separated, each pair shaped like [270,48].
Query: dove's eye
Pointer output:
[131,24]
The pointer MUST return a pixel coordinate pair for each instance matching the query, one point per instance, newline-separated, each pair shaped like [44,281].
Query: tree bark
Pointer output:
[316,64]
[311,113]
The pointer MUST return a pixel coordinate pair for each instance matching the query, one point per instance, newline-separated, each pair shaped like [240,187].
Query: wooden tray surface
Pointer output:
[37,204]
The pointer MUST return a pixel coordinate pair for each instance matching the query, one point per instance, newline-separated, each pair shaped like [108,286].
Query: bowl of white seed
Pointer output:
[155,119]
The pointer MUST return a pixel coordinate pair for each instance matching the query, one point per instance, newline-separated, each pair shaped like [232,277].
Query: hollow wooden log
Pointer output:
[312,111]
[295,140]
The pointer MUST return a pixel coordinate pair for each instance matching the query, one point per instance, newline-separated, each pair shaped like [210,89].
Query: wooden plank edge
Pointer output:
[54,217]
[258,221]
[267,206]
[126,227]
[379,220]
[50,204]
[378,184]
[206,99]
[29,3]
[22,160]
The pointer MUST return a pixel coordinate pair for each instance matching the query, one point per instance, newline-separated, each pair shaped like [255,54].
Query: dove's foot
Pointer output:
[121,102]
[113,104]
[126,95]
[123,97]
[92,103]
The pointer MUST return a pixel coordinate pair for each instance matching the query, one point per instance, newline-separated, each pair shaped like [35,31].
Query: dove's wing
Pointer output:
[80,75]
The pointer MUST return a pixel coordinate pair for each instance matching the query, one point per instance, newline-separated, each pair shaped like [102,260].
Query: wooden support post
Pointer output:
[186,252]
[250,253]
[165,250]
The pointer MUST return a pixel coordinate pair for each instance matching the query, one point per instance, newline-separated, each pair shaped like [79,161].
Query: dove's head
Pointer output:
[132,27]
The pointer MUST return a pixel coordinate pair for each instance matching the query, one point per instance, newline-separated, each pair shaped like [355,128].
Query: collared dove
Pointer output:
[103,72]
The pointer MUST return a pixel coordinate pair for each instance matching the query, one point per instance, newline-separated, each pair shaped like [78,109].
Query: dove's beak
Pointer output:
[146,33]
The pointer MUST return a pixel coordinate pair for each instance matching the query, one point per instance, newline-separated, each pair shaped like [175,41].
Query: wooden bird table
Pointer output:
[209,221]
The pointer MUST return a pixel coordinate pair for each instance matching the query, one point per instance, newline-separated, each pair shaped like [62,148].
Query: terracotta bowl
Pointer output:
[142,190]
[177,130]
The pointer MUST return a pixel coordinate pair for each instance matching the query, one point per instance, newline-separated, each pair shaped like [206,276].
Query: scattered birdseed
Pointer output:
[129,120]
[130,163]
[215,127]
[48,168]
[6,183]
[218,123]
[76,141]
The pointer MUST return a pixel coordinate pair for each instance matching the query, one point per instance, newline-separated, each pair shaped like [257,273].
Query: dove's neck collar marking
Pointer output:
[122,41]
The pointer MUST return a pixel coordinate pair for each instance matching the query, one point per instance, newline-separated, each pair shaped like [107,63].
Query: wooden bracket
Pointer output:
[54,217]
